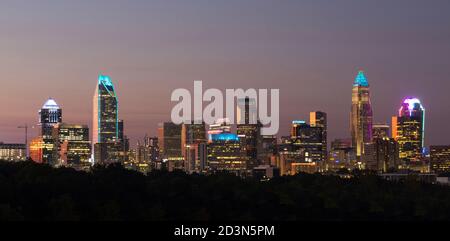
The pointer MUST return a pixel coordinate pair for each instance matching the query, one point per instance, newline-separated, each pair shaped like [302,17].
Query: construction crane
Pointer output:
[26,136]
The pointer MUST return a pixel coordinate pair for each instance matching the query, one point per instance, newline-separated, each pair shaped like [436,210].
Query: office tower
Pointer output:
[105,125]
[319,119]
[49,115]
[410,128]
[191,136]
[381,155]
[246,111]
[73,145]
[309,141]
[13,152]
[380,131]
[250,137]
[440,159]
[225,154]
[361,114]
[171,145]
[105,112]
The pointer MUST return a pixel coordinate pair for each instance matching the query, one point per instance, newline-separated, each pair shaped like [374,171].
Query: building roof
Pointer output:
[50,104]
[361,79]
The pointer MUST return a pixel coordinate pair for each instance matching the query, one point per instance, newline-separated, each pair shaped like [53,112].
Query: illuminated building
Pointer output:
[13,152]
[440,159]
[382,155]
[152,147]
[105,125]
[249,130]
[220,126]
[410,127]
[225,154]
[319,119]
[361,114]
[341,156]
[37,149]
[380,131]
[74,147]
[49,116]
[394,132]
[302,151]
[171,145]
[191,136]
[309,141]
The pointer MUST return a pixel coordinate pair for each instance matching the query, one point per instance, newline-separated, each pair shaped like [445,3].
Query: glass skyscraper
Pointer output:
[409,128]
[49,116]
[105,126]
[361,114]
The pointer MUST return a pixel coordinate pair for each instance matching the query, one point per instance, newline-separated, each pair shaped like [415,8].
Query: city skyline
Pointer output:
[399,61]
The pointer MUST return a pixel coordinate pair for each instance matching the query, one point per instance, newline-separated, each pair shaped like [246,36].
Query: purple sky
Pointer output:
[310,50]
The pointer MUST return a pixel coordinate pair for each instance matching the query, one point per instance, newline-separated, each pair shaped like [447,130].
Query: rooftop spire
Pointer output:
[361,79]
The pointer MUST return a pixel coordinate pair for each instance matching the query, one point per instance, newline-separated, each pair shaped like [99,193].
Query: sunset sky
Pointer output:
[311,50]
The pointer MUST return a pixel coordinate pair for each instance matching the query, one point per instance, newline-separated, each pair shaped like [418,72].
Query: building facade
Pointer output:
[105,123]
[50,115]
[409,129]
[440,159]
[73,145]
[361,114]
[13,152]
[225,154]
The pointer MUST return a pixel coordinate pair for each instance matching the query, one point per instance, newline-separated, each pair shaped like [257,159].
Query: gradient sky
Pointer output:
[310,50]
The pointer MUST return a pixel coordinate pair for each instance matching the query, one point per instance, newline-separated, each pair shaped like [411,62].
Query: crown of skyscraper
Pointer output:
[50,104]
[105,80]
[361,79]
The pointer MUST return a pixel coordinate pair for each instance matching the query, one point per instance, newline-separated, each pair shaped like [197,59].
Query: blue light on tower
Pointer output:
[361,79]
[225,137]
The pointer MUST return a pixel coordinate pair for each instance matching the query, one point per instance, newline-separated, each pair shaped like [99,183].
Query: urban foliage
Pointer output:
[30,191]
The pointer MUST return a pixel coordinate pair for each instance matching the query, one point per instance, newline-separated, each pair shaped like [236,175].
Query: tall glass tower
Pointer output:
[361,114]
[410,129]
[105,125]
[49,116]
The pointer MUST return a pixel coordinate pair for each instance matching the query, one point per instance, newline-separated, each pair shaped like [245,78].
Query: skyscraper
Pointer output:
[361,114]
[191,136]
[382,155]
[410,129]
[73,145]
[249,130]
[105,125]
[319,119]
[105,117]
[170,141]
[308,141]
[225,154]
[49,116]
